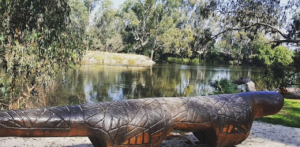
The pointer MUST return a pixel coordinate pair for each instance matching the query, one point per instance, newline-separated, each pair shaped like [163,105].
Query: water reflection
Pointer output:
[98,83]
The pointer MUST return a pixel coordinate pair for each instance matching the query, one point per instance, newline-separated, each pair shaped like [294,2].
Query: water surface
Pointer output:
[99,83]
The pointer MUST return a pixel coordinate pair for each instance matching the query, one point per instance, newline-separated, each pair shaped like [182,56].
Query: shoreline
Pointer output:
[262,135]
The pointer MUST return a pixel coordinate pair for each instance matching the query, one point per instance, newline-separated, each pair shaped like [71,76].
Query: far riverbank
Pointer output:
[97,57]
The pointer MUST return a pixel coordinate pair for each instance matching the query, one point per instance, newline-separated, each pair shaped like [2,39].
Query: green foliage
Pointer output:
[35,43]
[172,45]
[224,86]
[115,43]
[217,57]
[283,55]
[288,116]
[279,55]
[79,16]
[104,32]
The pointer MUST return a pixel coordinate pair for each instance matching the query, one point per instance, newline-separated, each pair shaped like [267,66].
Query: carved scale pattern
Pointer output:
[144,121]
[138,118]
[233,109]
[54,117]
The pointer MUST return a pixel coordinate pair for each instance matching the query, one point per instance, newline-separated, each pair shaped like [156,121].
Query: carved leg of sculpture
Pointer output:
[208,137]
[231,139]
[147,140]
[96,142]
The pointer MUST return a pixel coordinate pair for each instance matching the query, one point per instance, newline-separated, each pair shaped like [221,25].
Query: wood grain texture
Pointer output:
[219,120]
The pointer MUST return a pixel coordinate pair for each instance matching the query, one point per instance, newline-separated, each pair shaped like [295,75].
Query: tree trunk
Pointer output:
[152,53]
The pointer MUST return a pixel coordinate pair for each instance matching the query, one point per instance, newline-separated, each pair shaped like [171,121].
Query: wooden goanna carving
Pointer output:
[219,120]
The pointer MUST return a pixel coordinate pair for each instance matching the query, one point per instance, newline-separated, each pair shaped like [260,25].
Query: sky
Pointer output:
[117,3]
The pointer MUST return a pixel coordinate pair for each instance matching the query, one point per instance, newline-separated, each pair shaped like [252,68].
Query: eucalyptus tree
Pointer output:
[90,5]
[35,43]
[136,16]
[106,28]
[150,21]
[79,17]
[203,22]
[176,41]
[165,29]
[241,46]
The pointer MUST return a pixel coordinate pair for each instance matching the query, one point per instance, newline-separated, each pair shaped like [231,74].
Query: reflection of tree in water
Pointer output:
[107,83]
[68,90]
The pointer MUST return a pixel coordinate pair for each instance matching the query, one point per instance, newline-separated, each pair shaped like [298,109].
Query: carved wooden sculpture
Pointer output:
[219,120]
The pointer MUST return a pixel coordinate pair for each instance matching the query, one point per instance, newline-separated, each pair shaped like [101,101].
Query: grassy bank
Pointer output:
[288,116]
[96,57]
[183,61]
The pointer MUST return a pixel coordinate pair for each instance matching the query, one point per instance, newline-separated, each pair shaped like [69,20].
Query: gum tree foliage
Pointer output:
[35,42]
[169,41]
[136,16]
[164,18]
[105,30]
[79,16]
[171,24]
[275,18]
[203,25]
[255,15]
[235,44]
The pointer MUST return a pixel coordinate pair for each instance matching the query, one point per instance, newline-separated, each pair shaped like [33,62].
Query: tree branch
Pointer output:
[286,41]
[255,24]
[135,34]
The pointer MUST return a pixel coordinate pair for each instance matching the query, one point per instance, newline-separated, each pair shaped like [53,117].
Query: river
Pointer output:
[100,83]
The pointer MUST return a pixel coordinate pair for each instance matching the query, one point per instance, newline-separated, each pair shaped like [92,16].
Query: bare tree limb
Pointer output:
[286,41]
[258,24]
[135,34]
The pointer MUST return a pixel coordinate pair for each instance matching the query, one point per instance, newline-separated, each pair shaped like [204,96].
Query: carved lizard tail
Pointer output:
[43,122]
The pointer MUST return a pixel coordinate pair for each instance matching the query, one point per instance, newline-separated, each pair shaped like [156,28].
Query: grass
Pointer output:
[288,116]
[183,61]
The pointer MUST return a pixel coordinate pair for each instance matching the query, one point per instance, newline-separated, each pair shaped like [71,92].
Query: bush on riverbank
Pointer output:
[224,86]
[288,116]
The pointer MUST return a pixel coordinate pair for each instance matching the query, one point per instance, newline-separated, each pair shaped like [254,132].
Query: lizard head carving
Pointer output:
[267,103]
